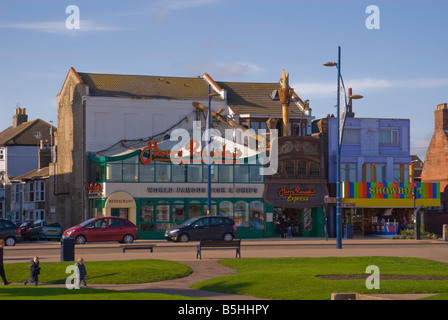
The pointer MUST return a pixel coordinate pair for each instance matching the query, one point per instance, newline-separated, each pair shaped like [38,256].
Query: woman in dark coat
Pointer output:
[34,272]
[2,269]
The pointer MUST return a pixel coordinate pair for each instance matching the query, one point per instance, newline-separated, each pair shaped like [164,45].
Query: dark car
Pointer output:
[205,227]
[45,229]
[25,229]
[9,232]
[103,229]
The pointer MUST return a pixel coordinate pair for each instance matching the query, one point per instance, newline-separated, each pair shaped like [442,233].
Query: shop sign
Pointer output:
[194,154]
[295,196]
[93,188]
[202,190]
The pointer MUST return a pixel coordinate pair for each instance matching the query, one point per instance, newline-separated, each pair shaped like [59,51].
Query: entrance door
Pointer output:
[294,217]
[119,212]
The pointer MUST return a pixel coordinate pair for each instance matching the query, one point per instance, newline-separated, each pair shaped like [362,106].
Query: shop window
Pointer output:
[195,173]
[97,172]
[194,209]
[226,209]
[147,211]
[254,174]
[214,208]
[225,173]
[178,211]
[163,211]
[241,214]
[256,215]
[178,173]
[163,173]
[241,173]
[147,172]
[114,172]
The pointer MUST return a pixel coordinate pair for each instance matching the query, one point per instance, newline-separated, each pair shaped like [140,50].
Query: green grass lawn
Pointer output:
[296,278]
[103,272]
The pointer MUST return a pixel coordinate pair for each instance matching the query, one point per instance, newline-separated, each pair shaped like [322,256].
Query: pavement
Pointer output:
[208,267]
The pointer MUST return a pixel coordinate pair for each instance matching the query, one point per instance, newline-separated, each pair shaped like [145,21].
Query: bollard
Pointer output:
[445,232]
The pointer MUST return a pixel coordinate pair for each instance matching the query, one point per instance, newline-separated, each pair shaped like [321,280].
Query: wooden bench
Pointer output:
[219,244]
[138,247]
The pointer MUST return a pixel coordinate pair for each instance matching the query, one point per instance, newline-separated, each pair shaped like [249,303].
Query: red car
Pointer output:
[103,229]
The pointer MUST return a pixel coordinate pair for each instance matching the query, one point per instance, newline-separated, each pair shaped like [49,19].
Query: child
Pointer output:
[82,272]
[34,272]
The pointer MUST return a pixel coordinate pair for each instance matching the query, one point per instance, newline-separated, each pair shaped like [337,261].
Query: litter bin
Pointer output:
[348,231]
[67,249]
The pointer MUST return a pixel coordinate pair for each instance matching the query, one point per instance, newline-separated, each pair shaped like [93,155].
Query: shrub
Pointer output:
[409,234]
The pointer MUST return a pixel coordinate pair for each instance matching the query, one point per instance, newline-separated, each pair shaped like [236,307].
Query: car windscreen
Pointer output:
[53,224]
[189,222]
[86,222]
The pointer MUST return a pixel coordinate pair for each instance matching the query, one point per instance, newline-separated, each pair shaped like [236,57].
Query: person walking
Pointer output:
[34,272]
[2,269]
[82,272]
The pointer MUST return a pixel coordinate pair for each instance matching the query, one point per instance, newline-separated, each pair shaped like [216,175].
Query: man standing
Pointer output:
[2,269]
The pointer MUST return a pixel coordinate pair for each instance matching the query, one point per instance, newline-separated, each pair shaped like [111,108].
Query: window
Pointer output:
[226,209]
[256,215]
[163,172]
[389,137]
[195,173]
[289,168]
[147,211]
[241,173]
[114,171]
[255,176]
[147,172]
[314,169]
[178,211]
[351,136]
[179,173]
[301,168]
[130,170]
[1,154]
[225,173]
[194,209]
[214,172]
[348,172]
[241,214]
[163,211]
[380,172]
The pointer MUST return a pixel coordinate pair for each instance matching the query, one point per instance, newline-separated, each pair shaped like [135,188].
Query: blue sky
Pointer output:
[400,69]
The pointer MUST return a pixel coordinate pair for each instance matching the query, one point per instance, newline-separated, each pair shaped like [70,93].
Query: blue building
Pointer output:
[376,175]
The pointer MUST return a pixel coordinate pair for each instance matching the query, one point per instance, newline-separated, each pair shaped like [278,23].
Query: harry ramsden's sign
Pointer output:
[294,196]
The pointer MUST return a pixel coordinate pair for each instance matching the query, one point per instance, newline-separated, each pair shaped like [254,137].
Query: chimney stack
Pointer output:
[44,155]
[441,117]
[20,117]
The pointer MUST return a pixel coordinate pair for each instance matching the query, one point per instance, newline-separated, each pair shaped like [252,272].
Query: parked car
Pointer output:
[205,227]
[25,229]
[103,229]
[9,232]
[45,229]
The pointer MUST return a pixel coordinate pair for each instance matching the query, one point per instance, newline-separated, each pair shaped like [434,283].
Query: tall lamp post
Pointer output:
[209,164]
[341,120]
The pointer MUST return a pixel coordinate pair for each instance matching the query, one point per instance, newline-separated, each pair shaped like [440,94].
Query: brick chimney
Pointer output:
[441,117]
[44,155]
[20,117]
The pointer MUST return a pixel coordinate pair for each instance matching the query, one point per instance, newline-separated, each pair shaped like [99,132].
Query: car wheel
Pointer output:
[10,241]
[128,238]
[184,237]
[228,237]
[80,239]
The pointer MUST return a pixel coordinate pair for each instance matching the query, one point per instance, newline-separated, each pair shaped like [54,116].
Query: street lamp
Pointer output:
[209,165]
[340,119]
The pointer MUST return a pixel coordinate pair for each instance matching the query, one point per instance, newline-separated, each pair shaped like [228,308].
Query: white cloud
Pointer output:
[59,27]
